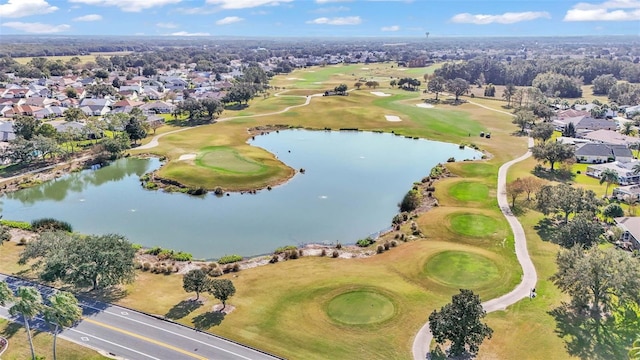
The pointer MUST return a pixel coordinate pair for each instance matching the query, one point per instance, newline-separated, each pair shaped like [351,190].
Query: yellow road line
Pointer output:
[156,342]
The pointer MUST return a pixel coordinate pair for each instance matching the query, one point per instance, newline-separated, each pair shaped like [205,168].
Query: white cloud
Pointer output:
[244,4]
[128,5]
[184,33]
[614,10]
[331,1]
[506,18]
[229,20]
[348,20]
[167,25]
[22,8]
[390,28]
[36,28]
[90,17]
[330,9]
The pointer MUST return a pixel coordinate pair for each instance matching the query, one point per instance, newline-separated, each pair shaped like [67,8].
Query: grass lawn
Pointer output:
[476,225]
[83,58]
[469,191]
[462,270]
[19,345]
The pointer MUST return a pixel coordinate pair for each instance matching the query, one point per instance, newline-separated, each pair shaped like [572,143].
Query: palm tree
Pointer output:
[6,295]
[63,312]
[610,177]
[634,353]
[28,304]
[627,128]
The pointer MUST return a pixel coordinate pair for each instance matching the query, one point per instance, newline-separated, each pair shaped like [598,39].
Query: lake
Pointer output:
[350,189]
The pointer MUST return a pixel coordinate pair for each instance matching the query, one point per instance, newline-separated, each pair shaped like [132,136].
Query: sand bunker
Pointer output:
[293,78]
[365,68]
[378,93]
[425,106]
[187,157]
[392,118]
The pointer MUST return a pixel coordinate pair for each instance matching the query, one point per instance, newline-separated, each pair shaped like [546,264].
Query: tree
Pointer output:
[598,280]
[6,295]
[357,85]
[196,281]
[47,130]
[135,129]
[460,322]
[222,289]
[552,152]
[28,303]
[612,211]
[609,176]
[458,86]
[101,90]
[213,107]
[4,234]
[566,200]
[25,126]
[530,185]
[45,146]
[341,89]
[95,260]
[514,189]
[192,107]
[524,119]
[634,352]
[393,83]
[569,130]
[74,114]
[63,311]
[603,83]
[581,230]
[436,85]
[508,93]
[116,145]
[372,84]
[411,201]
[71,93]
[627,128]
[542,131]
[19,150]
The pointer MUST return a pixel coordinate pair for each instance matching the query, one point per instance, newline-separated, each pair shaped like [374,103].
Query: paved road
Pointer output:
[128,334]
[154,141]
[423,338]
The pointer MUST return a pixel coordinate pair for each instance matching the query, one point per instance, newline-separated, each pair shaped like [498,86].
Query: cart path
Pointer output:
[423,338]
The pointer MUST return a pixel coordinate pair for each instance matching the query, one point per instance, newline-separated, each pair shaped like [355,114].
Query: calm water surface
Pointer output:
[351,188]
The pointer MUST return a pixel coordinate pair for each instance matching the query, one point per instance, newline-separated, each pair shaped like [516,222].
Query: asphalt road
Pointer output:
[423,338]
[129,334]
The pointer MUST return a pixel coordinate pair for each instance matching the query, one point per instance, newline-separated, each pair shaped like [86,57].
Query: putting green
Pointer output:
[227,160]
[461,269]
[469,191]
[473,224]
[360,307]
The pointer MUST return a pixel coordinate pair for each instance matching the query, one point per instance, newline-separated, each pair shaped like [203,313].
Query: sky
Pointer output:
[320,18]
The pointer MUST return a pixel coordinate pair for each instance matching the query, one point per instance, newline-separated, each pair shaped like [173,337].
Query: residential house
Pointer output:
[629,192]
[630,232]
[593,153]
[75,127]
[125,103]
[626,175]
[27,110]
[6,131]
[584,123]
[174,84]
[95,107]
[588,107]
[157,107]
[610,137]
[631,111]
[50,112]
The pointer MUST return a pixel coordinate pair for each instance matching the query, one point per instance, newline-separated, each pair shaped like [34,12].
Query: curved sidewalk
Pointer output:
[423,338]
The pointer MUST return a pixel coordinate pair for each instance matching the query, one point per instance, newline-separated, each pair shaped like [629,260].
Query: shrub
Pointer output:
[16,224]
[323,252]
[146,266]
[197,191]
[22,241]
[394,243]
[235,267]
[50,224]
[137,265]
[228,259]
[165,254]
[335,254]
[218,191]
[451,159]
[411,201]
[338,246]
[292,254]
[387,246]
[300,253]
[214,270]
[274,259]
[181,256]
[136,247]
[169,269]
[154,251]
[365,242]
[380,249]
[283,249]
